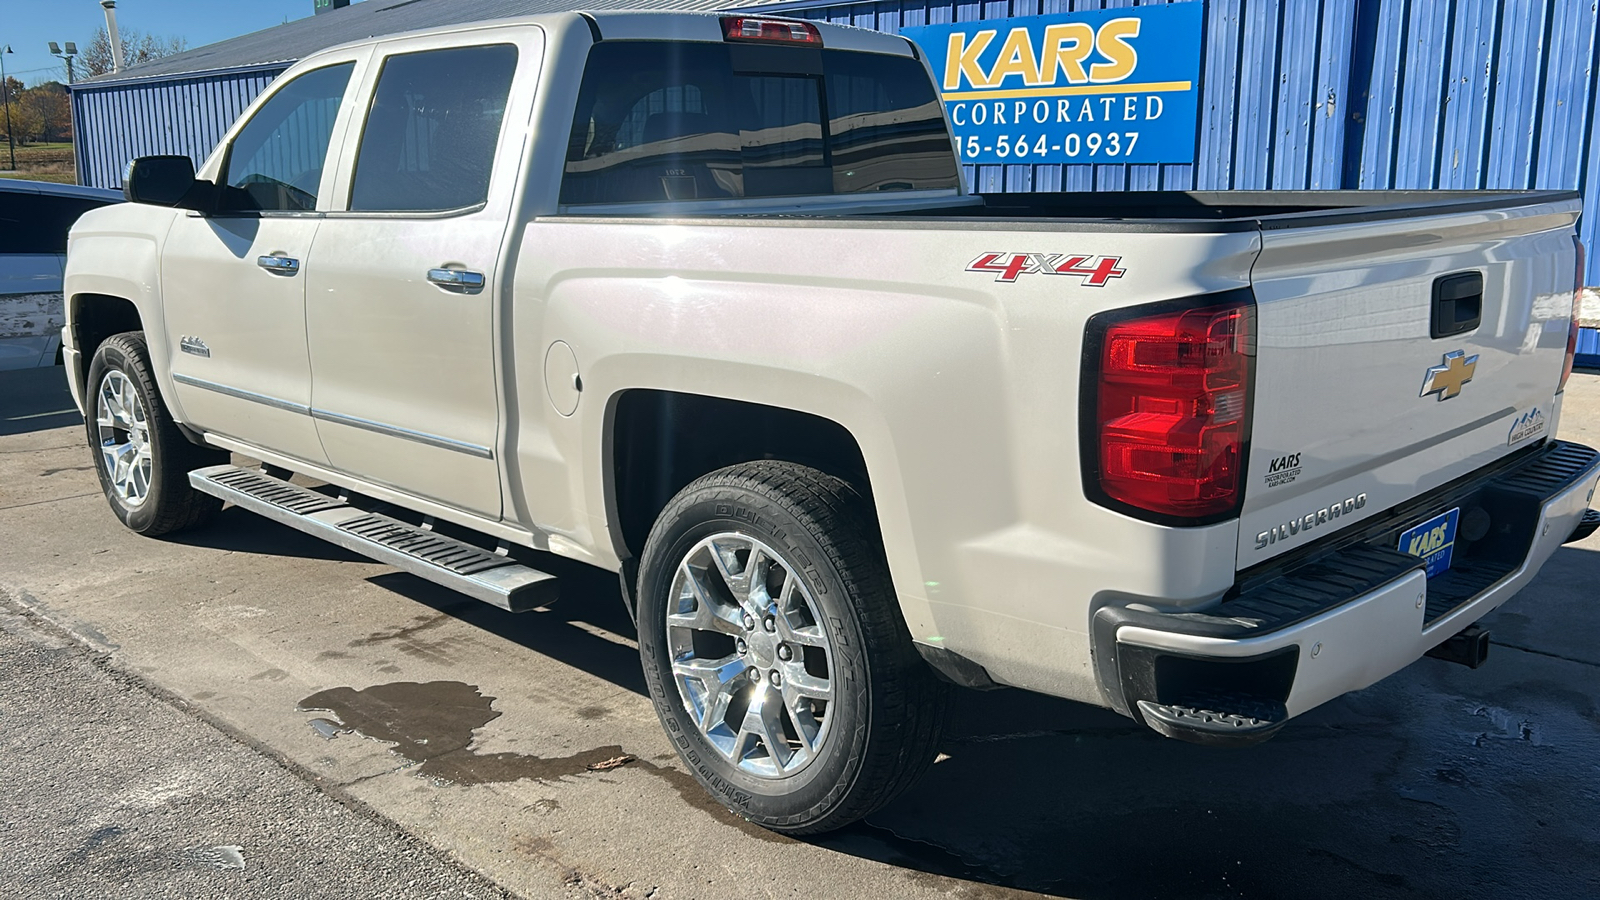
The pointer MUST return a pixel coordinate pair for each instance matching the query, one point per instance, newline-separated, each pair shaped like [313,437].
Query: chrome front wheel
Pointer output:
[141,456]
[750,656]
[124,438]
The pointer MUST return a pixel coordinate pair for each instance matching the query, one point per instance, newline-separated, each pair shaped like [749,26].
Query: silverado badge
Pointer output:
[1447,378]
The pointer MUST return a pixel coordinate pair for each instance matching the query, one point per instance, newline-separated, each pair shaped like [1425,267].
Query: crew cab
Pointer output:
[704,300]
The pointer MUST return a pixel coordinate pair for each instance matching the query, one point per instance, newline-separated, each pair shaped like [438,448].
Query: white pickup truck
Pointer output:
[703,300]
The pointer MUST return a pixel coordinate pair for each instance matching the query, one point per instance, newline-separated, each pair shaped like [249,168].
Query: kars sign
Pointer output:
[1109,86]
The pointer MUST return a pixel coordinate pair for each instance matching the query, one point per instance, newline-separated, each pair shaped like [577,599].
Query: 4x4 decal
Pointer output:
[1008,266]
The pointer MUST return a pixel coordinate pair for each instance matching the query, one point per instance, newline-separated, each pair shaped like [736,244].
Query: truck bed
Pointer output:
[1149,211]
[1265,209]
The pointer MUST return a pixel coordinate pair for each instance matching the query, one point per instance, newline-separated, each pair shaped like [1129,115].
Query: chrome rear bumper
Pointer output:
[1348,612]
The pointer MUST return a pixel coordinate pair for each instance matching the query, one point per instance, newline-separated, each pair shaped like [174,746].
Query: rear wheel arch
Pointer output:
[657,442]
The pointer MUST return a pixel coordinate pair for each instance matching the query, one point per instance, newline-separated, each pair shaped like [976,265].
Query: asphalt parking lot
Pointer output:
[522,750]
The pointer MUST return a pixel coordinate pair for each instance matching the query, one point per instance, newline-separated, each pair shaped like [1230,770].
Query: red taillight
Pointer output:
[1172,410]
[1577,311]
[788,31]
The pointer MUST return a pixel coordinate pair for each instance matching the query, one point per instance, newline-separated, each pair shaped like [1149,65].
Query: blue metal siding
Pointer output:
[186,116]
[1321,94]
[1294,94]
[1588,348]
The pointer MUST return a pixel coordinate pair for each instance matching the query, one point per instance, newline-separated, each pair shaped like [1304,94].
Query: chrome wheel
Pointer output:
[124,434]
[750,655]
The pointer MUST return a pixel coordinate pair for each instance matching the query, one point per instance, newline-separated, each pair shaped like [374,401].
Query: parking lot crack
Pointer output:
[938,859]
[375,775]
[52,500]
[422,623]
[41,449]
[1546,653]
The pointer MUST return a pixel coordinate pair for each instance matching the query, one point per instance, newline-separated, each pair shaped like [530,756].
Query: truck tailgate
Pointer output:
[1357,405]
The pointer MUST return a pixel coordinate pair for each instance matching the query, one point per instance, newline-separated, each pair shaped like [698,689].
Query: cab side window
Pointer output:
[430,138]
[276,162]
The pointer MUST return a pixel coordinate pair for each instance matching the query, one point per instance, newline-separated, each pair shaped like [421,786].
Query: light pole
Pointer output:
[5,92]
[71,51]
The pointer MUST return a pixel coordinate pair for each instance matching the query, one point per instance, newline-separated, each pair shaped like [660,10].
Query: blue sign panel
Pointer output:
[1109,86]
[1434,541]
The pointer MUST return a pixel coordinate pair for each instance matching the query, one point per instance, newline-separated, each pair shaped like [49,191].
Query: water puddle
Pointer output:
[431,724]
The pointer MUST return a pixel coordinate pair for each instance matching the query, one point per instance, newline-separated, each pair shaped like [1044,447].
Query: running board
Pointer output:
[481,574]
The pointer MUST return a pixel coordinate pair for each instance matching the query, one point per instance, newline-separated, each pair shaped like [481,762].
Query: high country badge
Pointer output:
[1530,424]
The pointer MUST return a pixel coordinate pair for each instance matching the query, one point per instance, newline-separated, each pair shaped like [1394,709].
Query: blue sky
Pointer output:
[28,25]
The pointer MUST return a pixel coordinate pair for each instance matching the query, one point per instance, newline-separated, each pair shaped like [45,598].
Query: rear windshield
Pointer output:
[661,120]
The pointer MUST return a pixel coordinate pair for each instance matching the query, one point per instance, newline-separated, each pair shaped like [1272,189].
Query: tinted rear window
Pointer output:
[430,139]
[660,120]
[38,223]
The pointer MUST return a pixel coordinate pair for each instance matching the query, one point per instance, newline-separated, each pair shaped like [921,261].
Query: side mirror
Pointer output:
[162,181]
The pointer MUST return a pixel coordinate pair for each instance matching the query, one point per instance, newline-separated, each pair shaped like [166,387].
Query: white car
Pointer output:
[35,217]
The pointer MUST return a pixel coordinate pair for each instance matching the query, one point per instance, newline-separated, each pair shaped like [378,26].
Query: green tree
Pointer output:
[47,109]
[13,94]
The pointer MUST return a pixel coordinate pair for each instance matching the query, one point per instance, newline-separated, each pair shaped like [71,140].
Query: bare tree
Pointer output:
[137,47]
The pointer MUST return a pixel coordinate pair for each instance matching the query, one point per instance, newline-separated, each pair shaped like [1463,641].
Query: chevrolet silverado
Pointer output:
[703,300]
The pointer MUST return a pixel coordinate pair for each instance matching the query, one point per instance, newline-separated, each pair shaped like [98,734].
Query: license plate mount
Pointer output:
[1433,541]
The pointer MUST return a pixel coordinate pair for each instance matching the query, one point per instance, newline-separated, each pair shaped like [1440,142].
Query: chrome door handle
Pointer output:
[279,265]
[457,280]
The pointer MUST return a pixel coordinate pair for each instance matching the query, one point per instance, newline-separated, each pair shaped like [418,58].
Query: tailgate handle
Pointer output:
[1457,303]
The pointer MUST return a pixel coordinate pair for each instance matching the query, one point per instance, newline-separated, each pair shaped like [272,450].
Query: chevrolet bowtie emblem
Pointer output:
[1447,378]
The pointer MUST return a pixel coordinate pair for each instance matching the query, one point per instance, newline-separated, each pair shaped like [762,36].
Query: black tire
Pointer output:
[889,709]
[170,504]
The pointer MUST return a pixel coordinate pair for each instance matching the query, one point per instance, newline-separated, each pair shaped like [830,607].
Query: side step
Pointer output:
[1216,719]
[478,573]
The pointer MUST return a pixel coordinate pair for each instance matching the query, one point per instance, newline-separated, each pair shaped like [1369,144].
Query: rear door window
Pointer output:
[660,120]
[430,139]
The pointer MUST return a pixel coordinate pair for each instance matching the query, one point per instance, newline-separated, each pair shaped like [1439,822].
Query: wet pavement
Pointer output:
[115,790]
[523,746]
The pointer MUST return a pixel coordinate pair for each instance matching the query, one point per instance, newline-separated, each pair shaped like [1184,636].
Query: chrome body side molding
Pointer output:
[252,396]
[421,437]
